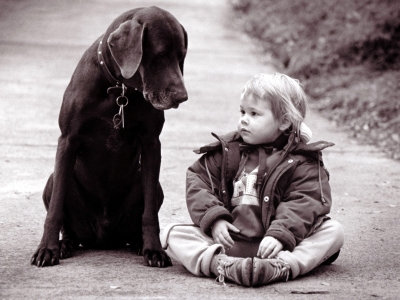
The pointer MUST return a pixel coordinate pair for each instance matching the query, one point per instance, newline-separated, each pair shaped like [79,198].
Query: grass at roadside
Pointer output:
[346,53]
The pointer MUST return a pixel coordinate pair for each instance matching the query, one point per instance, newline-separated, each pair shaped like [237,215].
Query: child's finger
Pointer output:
[268,250]
[261,249]
[273,253]
[220,240]
[233,228]
[266,253]
[229,239]
[226,241]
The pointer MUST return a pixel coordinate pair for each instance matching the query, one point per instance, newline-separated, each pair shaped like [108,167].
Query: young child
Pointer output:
[259,196]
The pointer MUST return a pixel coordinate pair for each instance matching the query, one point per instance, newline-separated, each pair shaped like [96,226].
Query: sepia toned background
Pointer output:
[40,45]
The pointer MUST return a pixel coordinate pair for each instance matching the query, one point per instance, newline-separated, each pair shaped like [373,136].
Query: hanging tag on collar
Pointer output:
[122,101]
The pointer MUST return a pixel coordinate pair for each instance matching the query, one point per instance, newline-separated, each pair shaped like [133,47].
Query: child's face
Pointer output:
[257,124]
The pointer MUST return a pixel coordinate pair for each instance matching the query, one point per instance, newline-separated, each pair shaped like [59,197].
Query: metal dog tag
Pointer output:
[117,120]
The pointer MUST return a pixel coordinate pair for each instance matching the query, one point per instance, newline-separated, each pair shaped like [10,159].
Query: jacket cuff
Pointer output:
[283,235]
[213,214]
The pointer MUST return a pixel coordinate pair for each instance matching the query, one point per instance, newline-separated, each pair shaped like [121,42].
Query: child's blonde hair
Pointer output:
[286,95]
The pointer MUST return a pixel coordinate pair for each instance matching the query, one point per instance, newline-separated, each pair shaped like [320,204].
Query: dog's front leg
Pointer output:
[153,253]
[47,254]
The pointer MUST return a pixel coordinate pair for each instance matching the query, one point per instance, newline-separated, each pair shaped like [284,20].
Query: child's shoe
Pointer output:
[269,270]
[235,269]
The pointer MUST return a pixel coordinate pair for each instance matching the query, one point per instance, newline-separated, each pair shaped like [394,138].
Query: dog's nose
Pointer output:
[181,96]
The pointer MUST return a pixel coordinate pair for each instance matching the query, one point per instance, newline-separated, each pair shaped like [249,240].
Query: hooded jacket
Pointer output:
[294,192]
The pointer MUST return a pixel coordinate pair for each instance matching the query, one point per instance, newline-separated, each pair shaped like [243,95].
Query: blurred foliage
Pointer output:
[346,53]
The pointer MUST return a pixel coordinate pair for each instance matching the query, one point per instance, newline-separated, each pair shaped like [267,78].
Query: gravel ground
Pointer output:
[40,45]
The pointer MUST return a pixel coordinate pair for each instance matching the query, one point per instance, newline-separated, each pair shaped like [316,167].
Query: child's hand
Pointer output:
[220,233]
[269,247]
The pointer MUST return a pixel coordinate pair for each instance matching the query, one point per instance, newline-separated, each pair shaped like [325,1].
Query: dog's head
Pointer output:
[153,44]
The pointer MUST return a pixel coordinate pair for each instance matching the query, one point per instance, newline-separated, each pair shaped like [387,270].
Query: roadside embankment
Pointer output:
[346,53]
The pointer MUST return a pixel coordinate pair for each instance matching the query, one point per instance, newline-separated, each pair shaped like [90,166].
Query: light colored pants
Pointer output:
[195,250]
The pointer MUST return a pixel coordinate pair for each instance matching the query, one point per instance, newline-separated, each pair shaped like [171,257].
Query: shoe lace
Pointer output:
[223,270]
[281,270]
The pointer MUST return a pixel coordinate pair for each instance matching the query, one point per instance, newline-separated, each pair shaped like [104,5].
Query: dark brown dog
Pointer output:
[105,189]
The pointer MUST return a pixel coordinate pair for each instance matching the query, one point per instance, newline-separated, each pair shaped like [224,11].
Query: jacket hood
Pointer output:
[229,137]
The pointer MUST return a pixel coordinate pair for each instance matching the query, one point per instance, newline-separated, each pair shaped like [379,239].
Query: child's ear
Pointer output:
[285,124]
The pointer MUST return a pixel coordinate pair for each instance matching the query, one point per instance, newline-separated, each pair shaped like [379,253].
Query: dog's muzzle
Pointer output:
[166,99]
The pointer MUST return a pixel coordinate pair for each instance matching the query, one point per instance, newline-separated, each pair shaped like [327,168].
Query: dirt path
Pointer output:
[40,44]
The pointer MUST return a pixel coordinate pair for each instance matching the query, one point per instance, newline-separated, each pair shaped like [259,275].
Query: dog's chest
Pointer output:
[120,127]
[118,137]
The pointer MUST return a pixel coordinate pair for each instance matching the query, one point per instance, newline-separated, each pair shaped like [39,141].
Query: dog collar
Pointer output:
[122,100]
[104,67]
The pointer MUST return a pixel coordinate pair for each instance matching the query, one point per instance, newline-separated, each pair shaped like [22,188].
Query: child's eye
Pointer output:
[253,114]
[242,112]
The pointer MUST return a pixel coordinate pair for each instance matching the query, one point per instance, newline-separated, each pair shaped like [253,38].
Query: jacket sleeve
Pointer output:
[202,192]
[304,204]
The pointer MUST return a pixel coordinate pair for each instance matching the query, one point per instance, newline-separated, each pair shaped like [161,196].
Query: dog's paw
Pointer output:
[157,258]
[44,257]
[66,248]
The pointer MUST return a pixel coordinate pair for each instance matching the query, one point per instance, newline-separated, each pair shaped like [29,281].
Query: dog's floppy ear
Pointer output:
[125,44]
[186,46]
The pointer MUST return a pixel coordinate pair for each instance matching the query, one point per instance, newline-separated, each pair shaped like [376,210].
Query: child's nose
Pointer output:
[244,120]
